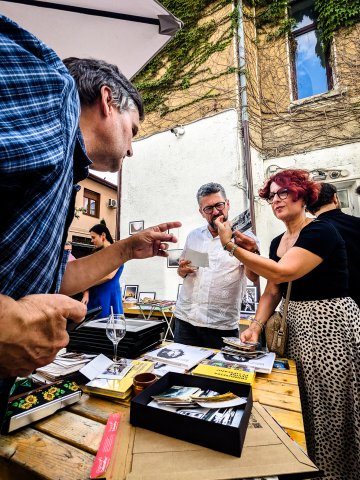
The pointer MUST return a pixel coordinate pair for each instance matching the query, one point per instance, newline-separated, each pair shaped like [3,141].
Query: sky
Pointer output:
[109,176]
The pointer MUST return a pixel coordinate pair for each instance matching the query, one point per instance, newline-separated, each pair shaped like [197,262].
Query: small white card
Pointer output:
[97,366]
[198,259]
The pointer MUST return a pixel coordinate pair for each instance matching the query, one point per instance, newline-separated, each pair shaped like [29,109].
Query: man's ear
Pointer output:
[106,100]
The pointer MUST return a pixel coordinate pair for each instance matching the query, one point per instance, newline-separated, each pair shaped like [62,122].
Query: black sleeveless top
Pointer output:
[329,279]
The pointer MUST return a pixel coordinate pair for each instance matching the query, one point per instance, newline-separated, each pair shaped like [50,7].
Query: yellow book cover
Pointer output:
[118,388]
[225,371]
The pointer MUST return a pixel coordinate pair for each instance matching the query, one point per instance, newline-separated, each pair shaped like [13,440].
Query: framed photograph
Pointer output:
[131,292]
[136,226]
[248,304]
[179,290]
[173,258]
[148,295]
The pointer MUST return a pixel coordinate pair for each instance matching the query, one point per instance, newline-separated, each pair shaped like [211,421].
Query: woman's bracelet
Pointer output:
[261,325]
[226,244]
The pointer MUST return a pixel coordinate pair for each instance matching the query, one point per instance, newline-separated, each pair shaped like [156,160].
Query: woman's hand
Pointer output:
[85,297]
[224,230]
[251,334]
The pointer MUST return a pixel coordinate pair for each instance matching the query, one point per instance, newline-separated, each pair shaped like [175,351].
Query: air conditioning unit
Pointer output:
[112,203]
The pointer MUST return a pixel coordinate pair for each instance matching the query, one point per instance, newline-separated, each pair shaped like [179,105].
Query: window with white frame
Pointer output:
[311,72]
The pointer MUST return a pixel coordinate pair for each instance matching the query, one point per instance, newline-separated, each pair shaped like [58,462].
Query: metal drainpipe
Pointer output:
[244,115]
[246,133]
[118,209]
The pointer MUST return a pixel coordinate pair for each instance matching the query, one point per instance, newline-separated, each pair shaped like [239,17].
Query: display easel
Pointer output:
[162,306]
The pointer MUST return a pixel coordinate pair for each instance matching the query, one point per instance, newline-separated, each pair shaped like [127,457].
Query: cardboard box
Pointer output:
[268,451]
[208,434]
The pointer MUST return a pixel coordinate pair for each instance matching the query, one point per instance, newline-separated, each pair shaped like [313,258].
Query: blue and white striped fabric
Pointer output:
[39,132]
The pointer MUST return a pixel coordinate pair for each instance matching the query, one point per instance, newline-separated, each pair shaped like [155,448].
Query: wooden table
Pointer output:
[63,446]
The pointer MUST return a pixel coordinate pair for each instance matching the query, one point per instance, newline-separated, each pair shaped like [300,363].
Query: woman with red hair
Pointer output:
[323,321]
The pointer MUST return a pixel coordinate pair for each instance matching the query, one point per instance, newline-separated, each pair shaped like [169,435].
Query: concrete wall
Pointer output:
[160,183]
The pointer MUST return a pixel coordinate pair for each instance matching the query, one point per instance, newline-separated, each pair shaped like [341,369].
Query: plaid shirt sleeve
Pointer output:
[39,128]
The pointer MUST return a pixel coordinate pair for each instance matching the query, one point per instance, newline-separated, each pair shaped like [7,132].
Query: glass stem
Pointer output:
[115,353]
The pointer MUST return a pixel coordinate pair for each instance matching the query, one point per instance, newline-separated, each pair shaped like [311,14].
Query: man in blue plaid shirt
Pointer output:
[43,154]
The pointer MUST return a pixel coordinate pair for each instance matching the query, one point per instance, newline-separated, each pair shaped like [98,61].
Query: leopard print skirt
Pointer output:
[324,340]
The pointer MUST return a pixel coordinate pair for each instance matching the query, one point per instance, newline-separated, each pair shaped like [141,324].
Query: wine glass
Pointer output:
[115,331]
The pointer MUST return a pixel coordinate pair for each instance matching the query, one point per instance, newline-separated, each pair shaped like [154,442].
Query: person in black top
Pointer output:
[323,320]
[327,207]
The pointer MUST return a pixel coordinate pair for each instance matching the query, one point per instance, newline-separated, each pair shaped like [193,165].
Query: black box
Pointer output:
[219,437]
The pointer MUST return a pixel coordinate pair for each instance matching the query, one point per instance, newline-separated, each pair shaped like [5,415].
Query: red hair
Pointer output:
[298,182]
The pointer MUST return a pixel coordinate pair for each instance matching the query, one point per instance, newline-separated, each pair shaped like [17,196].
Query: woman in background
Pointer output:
[107,292]
[323,321]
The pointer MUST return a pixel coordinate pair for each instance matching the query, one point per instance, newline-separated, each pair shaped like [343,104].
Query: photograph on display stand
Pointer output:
[146,296]
[136,226]
[174,258]
[131,293]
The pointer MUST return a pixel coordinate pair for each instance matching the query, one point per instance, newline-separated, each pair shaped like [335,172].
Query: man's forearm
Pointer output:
[252,276]
[81,274]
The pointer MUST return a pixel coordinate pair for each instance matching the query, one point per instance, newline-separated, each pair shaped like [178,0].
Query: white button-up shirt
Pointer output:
[211,297]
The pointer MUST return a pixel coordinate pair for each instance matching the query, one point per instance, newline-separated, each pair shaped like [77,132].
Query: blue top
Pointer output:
[106,295]
[41,158]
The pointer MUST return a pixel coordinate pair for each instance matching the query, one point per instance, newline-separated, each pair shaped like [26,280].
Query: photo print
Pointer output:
[242,222]
[248,303]
[179,290]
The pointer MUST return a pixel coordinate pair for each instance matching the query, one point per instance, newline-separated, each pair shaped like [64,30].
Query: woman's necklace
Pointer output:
[289,239]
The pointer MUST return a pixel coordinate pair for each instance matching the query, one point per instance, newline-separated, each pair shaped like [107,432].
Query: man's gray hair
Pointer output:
[90,75]
[210,188]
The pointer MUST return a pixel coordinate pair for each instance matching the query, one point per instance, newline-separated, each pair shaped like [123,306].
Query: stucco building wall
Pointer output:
[161,182]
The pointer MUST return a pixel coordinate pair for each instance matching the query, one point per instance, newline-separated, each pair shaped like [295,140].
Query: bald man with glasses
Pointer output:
[208,307]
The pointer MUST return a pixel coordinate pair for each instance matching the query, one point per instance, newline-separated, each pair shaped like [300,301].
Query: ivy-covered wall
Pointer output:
[195,75]
[332,15]
[316,122]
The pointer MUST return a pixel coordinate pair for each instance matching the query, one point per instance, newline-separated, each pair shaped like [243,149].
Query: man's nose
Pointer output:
[129,152]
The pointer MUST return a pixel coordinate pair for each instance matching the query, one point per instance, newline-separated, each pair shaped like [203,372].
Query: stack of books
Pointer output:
[119,390]
[179,355]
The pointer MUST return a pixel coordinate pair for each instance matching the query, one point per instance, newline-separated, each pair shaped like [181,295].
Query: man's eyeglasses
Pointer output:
[282,193]
[219,206]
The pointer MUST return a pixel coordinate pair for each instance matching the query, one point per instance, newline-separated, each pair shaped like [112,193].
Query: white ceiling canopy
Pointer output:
[127,33]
